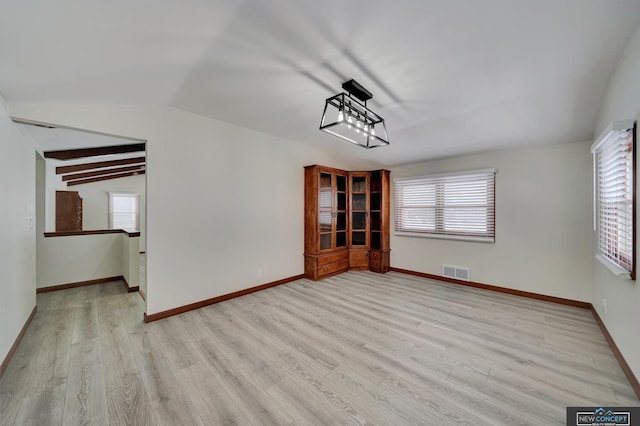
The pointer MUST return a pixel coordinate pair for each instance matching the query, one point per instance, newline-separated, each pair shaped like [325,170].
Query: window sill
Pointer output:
[446,237]
[617,270]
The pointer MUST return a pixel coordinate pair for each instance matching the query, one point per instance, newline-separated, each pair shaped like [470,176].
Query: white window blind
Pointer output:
[615,207]
[123,211]
[453,205]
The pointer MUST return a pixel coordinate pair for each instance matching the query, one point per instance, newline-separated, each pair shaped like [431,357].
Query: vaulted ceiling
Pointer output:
[449,76]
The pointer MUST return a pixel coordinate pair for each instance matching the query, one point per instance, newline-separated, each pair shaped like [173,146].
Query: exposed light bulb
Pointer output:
[340,116]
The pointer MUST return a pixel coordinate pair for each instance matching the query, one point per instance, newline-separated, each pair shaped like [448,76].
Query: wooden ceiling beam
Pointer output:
[70,154]
[62,170]
[101,178]
[101,172]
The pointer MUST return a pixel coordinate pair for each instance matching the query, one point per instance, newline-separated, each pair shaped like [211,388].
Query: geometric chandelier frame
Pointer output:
[346,116]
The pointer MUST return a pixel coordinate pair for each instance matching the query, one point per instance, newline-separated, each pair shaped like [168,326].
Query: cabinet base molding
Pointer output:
[317,267]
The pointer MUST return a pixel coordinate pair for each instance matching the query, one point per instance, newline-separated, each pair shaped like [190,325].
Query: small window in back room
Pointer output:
[123,211]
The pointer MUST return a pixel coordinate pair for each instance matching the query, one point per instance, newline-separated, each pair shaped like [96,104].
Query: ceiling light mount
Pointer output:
[356,89]
[346,116]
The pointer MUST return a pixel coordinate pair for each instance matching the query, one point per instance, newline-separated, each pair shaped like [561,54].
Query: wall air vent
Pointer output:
[456,272]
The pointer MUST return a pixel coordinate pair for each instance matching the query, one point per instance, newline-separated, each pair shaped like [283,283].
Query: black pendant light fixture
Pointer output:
[346,116]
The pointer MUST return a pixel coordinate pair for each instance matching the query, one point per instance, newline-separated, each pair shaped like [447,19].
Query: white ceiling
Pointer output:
[61,138]
[449,76]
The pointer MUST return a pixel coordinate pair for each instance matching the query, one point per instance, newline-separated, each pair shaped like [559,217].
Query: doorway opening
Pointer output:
[81,239]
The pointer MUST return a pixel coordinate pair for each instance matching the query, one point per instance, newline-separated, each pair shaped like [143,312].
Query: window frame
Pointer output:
[128,195]
[605,257]
[439,231]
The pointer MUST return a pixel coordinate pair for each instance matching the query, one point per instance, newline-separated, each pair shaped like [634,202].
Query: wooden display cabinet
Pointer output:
[346,221]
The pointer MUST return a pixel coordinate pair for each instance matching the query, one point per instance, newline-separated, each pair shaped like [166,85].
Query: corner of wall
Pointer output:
[18,243]
[621,102]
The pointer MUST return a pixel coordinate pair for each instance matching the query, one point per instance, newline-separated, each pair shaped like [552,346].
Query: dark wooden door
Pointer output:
[68,211]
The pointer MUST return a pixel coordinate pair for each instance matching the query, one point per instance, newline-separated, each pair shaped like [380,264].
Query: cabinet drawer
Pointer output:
[333,258]
[374,254]
[333,268]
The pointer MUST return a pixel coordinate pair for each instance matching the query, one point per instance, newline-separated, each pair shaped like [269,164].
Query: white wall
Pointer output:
[40,207]
[543,218]
[131,260]
[71,259]
[17,239]
[621,102]
[53,182]
[95,199]
[222,201]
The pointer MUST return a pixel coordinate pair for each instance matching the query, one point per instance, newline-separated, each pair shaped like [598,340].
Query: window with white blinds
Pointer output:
[614,175]
[452,205]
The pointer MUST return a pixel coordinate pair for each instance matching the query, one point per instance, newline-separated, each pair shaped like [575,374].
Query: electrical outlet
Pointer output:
[259,273]
[604,306]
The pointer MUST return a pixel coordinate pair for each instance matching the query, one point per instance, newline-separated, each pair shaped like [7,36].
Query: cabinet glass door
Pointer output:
[376,209]
[333,211]
[341,211]
[359,211]
[326,210]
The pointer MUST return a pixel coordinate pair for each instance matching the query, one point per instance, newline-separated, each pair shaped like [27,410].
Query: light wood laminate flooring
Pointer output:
[358,348]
